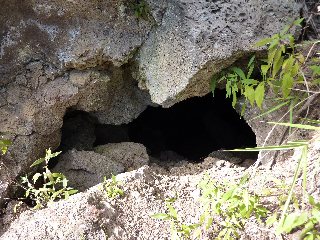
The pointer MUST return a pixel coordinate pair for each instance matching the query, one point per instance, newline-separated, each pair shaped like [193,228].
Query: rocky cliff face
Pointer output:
[99,57]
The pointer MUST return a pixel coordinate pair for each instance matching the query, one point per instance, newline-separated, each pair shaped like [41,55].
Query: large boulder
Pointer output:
[88,55]
[91,215]
[56,55]
[198,38]
[131,155]
[85,169]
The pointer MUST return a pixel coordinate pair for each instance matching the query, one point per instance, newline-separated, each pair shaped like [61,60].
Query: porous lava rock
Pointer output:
[198,38]
[99,57]
[131,155]
[85,169]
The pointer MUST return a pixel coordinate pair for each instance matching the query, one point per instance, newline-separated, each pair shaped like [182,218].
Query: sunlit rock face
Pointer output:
[198,38]
[99,57]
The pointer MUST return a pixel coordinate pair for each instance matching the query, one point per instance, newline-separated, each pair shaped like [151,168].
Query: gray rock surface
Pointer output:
[130,155]
[62,55]
[91,215]
[268,134]
[198,38]
[85,169]
[57,55]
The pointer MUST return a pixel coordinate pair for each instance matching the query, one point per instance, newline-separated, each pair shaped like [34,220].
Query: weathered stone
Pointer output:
[197,39]
[11,212]
[113,99]
[85,169]
[79,219]
[58,55]
[130,155]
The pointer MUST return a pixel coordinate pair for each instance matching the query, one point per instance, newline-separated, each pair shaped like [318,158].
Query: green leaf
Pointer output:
[4,144]
[285,30]
[315,69]
[58,175]
[270,148]
[245,178]
[264,69]
[259,94]
[37,162]
[295,69]
[287,84]
[298,22]
[209,222]
[312,201]
[226,196]
[64,182]
[301,219]
[249,81]
[263,42]
[316,81]
[234,95]
[301,126]
[271,220]
[291,42]
[288,64]
[292,221]
[249,93]
[316,214]
[250,71]
[245,196]
[36,176]
[275,108]
[228,89]
[274,44]
[72,191]
[56,194]
[172,211]
[239,72]
[277,62]
[243,109]
[161,216]
[287,224]
[251,61]
[213,84]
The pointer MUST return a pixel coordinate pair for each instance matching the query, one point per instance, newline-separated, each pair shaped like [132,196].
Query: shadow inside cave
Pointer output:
[192,129]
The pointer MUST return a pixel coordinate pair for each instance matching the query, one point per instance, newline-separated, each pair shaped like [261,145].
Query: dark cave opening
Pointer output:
[192,128]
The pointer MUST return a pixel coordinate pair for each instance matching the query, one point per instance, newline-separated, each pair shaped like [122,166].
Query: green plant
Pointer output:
[178,230]
[4,144]
[308,220]
[281,71]
[285,221]
[53,186]
[236,80]
[227,207]
[112,188]
[231,204]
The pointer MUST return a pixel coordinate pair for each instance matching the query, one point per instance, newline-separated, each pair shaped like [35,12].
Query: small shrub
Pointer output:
[112,189]
[53,186]
[4,144]
[289,220]
[230,205]
[281,71]
[178,230]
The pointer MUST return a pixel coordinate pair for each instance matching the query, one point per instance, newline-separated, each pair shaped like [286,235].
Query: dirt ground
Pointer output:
[91,215]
